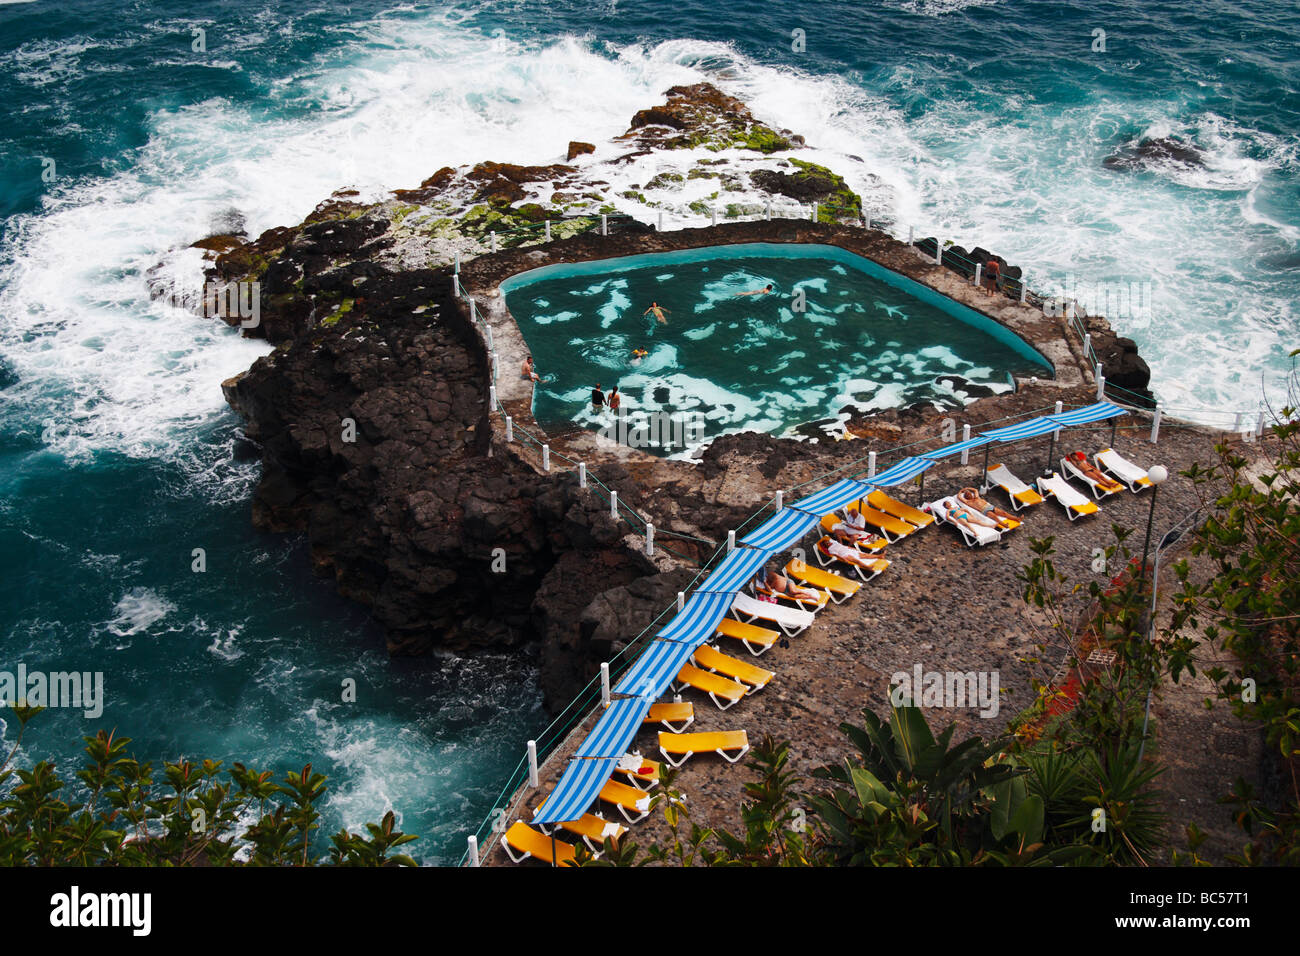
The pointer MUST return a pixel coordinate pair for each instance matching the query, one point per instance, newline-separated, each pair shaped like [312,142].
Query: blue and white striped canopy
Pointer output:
[576,790]
[958,448]
[736,569]
[905,470]
[1030,429]
[698,618]
[827,500]
[657,665]
[615,729]
[1090,413]
[781,530]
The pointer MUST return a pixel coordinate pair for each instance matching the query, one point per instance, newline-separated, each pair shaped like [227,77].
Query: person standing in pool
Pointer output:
[597,398]
[763,291]
[659,311]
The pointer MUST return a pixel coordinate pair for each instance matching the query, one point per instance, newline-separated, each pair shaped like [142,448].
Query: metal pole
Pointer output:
[1114,426]
[492,398]
[714,212]
[613,504]
[984,475]
[731,540]
[1101,387]
[965,452]
[494,368]
[681,600]
[780,503]
[473,315]
[816,211]
[767,210]
[978,269]
[604,684]
[582,474]
[1155,426]
[604,224]
[1024,289]
[1155,487]
[510,430]
[455,285]
[546,458]
[938,252]
[532,763]
[548,230]
[649,539]
[1087,344]
[473,850]
[661,222]
[494,240]
[871,464]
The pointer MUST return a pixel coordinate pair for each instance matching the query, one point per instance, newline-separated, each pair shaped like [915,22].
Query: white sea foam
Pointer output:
[137,611]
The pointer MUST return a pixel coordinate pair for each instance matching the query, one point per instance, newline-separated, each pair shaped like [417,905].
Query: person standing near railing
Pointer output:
[992,277]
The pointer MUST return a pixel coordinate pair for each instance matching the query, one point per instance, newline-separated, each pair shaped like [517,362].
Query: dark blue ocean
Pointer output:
[126,138]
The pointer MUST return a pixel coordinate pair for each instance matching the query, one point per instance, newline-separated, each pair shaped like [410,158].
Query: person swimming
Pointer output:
[638,355]
[659,311]
[763,291]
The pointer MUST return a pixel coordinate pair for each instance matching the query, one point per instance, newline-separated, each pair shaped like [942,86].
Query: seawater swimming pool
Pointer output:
[836,331]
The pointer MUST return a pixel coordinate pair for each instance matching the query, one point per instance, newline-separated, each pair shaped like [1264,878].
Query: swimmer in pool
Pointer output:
[638,355]
[659,311]
[763,291]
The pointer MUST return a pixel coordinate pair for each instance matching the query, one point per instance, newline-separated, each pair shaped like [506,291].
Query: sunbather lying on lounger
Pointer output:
[969,518]
[844,551]
[1080,461]
[854,527]
[780,584]
[971,498]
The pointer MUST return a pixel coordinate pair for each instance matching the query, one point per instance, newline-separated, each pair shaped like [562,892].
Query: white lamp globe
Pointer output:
[1158,474]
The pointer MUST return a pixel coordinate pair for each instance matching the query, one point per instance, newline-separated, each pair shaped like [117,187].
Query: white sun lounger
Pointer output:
[1098,492]
[981,535]
[1075,504]
[1109,460]
[1021,495]
[792,620]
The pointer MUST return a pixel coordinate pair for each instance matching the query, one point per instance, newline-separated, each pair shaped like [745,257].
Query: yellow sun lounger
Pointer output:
[530,843]
[831,520]
[641,773]
[892,528]
[718,688]
[594,831]
[1099,490]
[1112,461]
[719,742]
[867,569]
[1021,495]
[720,663]
[813,605]
[840,589]
[627,798]
[882,502]
[756,639]
[1075,504]
[670,714]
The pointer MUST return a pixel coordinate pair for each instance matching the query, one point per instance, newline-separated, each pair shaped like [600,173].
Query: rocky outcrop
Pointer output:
[1153,152]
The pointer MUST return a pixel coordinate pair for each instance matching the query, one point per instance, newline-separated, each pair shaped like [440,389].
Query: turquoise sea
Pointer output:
[132,129]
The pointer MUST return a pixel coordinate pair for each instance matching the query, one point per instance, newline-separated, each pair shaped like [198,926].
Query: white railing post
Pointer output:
[456,268]
[613,504]
[492,346]
[510,430]
[492,398]
[1155,426]
[582,474]
[911,234]
[1236,423]
[494,240]
[978,269]
[473,311]
[780,500]
[661,222]
[604,224]
[938,252]
[473,850]
[1056,435]
[965,452]
[546,458]
[532,764]
[767,210]
[817,207]
[1087,344]
[604,684]
[714,212]
[681,600]
[1024,289]
[649,539]
[455,285]
[548,230]
[1259,425]
[731,540]
[494,369]
[1101,387]
[871,464]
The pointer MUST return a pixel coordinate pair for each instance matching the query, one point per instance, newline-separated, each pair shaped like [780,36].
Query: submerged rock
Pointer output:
[1148,152]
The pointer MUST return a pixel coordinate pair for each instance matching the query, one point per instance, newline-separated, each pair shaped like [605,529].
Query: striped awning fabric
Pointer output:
[950,450]
[576,790]
[905,470]
[827,500]
[1029,429]
[781,530]
[1090,413]
[698,619]
[735,570]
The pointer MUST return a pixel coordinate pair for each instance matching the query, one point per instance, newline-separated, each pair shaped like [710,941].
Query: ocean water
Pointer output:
[826,336]
[984,122]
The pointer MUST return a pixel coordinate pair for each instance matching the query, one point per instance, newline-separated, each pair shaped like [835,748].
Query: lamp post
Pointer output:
[1158,475]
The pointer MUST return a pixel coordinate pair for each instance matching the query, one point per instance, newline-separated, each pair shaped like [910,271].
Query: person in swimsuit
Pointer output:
[638,355]
[763,291]
[836,548]
[659,311]
[971,498]
[614,400]
[780,584]
[597,398]
[528,371]
[991,276]
[1080,461]
[970,519]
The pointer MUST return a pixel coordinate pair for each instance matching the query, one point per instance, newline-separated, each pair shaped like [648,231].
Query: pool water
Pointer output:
[837,332]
